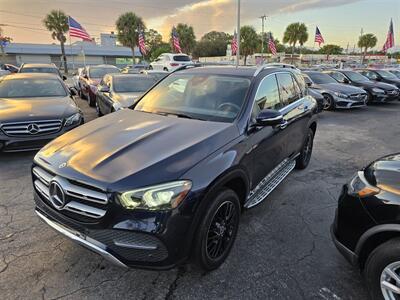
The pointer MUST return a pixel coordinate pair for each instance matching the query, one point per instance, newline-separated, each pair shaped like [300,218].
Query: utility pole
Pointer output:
[263,18]
[361,55]
[238,34]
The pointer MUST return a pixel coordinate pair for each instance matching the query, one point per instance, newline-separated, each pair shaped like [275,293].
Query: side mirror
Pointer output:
[309,83]
[269,117]
[64,77]
[346,81]
[104,89]
[85,76]
[378,79]
[73,91]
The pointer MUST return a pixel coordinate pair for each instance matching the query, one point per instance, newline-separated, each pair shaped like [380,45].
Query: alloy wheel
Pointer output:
[220,234]
[307,149]
[327,102]
[390,281]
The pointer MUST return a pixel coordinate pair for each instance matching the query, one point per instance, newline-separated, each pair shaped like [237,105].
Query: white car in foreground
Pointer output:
[170,62]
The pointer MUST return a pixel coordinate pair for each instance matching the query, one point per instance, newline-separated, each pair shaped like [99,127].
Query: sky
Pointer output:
[340,21]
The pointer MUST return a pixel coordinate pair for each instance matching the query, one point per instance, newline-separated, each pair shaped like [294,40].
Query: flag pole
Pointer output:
[238,34]
[70,46]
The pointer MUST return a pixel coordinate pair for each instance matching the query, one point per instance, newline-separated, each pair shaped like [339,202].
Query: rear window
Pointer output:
[100,72]
[132,84]
[39,70]
[23,88]
[181,58]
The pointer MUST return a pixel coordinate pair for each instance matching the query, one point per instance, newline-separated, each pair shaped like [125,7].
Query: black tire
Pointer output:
[369,98]
[383,256]
[329,102]
[92,100]
[303,159]
[80,93]
[98,110]
[207,250]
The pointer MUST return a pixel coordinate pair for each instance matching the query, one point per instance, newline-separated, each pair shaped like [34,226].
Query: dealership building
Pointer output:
[78,54]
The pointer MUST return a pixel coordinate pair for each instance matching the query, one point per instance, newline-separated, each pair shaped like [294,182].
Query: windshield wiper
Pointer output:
[179,115]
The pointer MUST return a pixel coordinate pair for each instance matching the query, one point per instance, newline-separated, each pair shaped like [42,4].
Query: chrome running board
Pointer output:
[270,182]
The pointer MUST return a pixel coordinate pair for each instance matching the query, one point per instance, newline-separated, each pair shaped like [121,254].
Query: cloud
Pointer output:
[220,15]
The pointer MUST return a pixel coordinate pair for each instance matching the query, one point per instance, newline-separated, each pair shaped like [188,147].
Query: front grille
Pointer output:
[64,195]
[392,92]
[31,128]
[358,97]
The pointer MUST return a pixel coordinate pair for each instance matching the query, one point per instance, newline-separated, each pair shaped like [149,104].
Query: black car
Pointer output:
[34,109]
[377,91]
[395,72]
[119,91]
[336,95]
[366,229]
[154,185]
[381,76]
[41,68]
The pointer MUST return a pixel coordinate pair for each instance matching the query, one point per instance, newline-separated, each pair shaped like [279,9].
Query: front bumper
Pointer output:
[346,103]
[350,256]
[379,97]
[29,143]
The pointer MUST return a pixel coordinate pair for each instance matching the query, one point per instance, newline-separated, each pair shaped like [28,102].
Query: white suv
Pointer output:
[170,61]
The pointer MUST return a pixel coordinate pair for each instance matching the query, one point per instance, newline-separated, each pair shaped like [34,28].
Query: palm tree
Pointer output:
[57,22]
[295,32]
[187,38]
[249,41]
[366,41]
[128,27]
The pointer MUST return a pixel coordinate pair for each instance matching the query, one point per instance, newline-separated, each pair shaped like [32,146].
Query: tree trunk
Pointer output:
[64,58]
[3,55]
[365,54]
[245,59]
[294,45]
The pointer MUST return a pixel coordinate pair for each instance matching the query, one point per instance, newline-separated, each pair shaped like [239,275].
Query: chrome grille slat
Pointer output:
[21,128]
[78,198]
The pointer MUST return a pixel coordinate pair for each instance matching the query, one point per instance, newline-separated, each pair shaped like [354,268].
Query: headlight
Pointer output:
[74,119]
[159,197]
[341,95]
[360,187]
[379,91]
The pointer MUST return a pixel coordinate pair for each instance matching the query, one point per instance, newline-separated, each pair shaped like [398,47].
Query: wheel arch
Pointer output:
[374,237]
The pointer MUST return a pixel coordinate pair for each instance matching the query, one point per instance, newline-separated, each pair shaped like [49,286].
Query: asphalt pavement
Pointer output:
[283,249]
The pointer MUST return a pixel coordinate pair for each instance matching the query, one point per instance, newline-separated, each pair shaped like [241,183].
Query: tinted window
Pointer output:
[287,89]
[321,78]
[39,70]
[19,88]
[301,82]
[337,76]
[386,74]
[267,96]
[202,96]
[181,58]
[100,72]
[370,75]
[357,77]
[132,84]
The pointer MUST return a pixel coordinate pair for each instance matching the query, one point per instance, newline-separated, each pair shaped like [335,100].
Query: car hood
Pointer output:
[385,172]
[132,149]
[25,109]
[127,99]
[340,88]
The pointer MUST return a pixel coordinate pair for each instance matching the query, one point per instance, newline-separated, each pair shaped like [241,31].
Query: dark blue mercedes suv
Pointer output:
[168,179]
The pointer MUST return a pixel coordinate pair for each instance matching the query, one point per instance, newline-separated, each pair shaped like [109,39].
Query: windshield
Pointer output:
[20,88]
[207,97]
[100,72]
[396,72]
[357,77]
[137,84]
[386,74]
[39,70]
[181,58]
[321,78]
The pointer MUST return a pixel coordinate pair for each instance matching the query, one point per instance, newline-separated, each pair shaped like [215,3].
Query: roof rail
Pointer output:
[276,65]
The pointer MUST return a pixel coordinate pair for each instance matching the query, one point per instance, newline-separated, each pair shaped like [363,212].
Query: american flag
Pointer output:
[234,44]
[175,41]
[271,45]
[318,37]
[76,30]
[389,39]
[142,45]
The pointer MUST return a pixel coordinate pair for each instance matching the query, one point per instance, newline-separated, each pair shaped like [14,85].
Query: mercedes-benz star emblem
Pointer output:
[33,128]
[57,195]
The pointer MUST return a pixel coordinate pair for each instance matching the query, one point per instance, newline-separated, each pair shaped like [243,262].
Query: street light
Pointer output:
[238,34]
